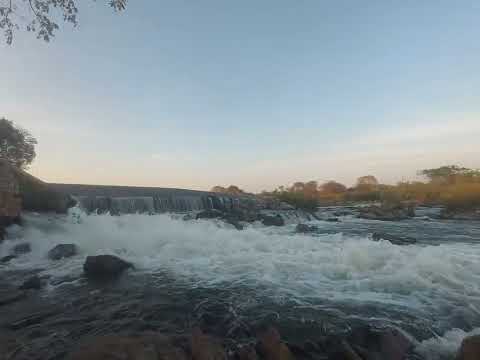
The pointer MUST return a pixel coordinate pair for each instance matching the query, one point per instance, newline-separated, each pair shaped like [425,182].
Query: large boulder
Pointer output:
[470,348]
[269,220]
[62,251]
[104,267]
[396,240]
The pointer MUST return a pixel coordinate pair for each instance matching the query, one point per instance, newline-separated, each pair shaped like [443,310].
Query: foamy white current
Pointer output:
[334,267]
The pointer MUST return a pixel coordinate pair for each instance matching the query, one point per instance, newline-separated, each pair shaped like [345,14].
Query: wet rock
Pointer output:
[332,219]
[236,224]
[470,348]
[209,214]
[104,267]
[344,351]
[22,248]
[387,212]
[396,240]
[205,347]
[460,214]
[304,228]
[7,258]
[269,220]
[271,347]
[62,251]
[385,343]
[145,347]
[32,283]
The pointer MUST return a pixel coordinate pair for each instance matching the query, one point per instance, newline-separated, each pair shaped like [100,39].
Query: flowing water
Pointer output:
[307,283]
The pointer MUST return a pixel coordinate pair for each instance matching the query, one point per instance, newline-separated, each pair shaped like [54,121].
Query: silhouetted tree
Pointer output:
[17,145]
[368,180]
[333,187]
[38,15]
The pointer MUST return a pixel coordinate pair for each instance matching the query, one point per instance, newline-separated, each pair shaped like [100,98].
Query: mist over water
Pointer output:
[437,283]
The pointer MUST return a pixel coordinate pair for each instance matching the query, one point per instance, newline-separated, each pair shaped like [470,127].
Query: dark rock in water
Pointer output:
[62,251]
[234,222]
[271,347]
[385,343]
[7,258]
[276,220]
[246,353]
[32,283]
[104,267]
[396,240]
[332,219]
[463,215]
[205,347]
[209,214]
[304,228]
[470,348]
[344,351]
[387,212]
[145,347]
[22,248]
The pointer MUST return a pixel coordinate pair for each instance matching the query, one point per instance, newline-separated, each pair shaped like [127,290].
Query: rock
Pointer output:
[387,212]
[470,348]
[269,220]
[209,214]
[462,215]
[344,351]
[234,222]
[62,251]
[304,228]
[7,258]
[396,240]
[271,347]
[22,248]
[104,267]
[246,353]
[145,347]
[386,343]
[32,283]
[205,347]
[332,219]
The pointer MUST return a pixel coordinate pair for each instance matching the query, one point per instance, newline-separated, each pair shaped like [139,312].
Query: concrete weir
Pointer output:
[130,199]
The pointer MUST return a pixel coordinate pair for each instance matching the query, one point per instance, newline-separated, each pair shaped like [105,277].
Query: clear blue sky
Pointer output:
[255,93]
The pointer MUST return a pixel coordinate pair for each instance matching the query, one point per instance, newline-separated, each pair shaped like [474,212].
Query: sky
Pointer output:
[193,94]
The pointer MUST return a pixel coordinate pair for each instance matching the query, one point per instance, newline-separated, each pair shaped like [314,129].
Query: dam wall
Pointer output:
[130,199]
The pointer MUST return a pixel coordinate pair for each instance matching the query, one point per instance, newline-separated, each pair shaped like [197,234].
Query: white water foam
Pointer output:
[444,347]
[331,267]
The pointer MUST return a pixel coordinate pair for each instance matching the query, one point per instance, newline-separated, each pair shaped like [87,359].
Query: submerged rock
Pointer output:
[103,267]
[62,251]
[205,347]
[22,248]
[304,228]
[32,283]
[7,258]
[396,240]
[470,348]
[271,347]
[209,214]
[145,347]
[269,220]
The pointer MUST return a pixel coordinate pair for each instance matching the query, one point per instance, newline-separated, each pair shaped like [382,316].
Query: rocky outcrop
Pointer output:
[272,220]
[210,214]
[396,240]
[62,251]
[104,267]
[6,259]
[205,347]
[470,348]
[461,214]
[387,212]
